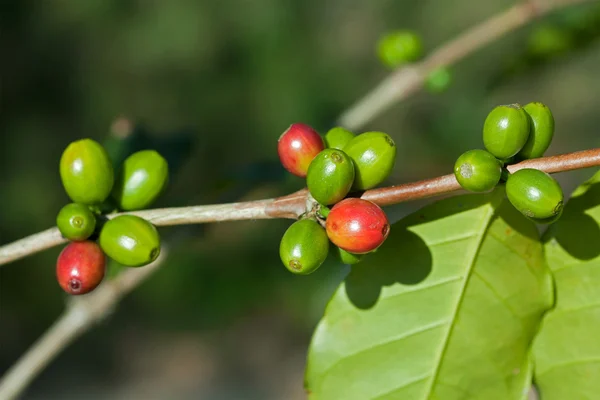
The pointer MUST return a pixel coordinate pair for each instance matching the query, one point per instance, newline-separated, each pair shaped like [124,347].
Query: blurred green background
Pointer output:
[223,319]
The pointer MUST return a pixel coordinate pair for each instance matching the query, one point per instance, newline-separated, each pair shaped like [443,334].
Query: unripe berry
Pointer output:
[534,193]
[549,40]
[86,172]
[346,257]
[477,171]
[506,130]
[304,247]
[142,178]
[541,131]
[130,240]
[80,267]
[76,222]
[297,147]
[357,226]
[438,80]
[374,155]
[330,176]
[338,138]
[397,48]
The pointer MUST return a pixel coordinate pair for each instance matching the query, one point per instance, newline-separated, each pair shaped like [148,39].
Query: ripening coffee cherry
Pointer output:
[397,48]
[438,80]
[346,257]
[142,178]
[76,222]
[80,267]
[337,138]
[304,247]
[534,193]
[297,147]
[506,130]
[541,131]
[374,155]
[357,226]
[130,240]
[86,172]
[477,171]
[330,176]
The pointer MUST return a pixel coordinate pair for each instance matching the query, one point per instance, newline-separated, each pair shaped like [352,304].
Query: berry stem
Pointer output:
[80,315]
[293,205]
[405,81]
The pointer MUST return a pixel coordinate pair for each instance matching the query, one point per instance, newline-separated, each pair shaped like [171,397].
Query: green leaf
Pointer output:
[446,309]
[567,349]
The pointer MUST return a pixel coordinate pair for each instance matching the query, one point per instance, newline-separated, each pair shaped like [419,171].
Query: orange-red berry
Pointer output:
[80,267]
[297,147]
[357,226]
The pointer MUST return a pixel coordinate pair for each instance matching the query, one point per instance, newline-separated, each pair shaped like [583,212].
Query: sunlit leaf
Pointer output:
[446,309]
[567,349]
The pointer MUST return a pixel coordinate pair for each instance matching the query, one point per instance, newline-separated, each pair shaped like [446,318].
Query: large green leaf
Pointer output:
[567,349]
[446,309]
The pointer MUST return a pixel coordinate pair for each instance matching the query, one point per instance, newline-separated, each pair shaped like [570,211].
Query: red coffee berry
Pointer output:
[80,267]
[297,146]
[357,226]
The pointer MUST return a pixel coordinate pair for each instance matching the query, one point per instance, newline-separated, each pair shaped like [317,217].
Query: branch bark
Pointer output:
[405,81]
[81,314]
[294,205]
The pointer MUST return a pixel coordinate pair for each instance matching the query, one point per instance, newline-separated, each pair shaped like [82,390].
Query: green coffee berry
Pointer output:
[477,171]
[374,155]
[397,48]
[76,222]
[86,172]
[541,131]
[347,257]
[549,40]
[534,193]
[130,240]
[330,176]
[304,247]
[506,130]
[438,80]
[337,138]
[142,178]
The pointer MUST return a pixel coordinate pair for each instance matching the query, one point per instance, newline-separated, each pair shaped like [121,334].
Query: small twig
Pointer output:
[294,205]
[79,316]
[405,81]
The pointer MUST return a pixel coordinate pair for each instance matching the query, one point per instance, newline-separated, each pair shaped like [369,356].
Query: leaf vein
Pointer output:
[501,299]
[392,391]
[594,360]
[488,218]
[405,335]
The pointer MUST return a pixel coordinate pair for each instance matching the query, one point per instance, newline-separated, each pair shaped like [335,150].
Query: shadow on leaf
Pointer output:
[364,283]
[405,257]
[577,232]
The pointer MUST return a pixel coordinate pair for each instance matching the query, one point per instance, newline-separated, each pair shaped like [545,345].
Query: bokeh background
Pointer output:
[215,83]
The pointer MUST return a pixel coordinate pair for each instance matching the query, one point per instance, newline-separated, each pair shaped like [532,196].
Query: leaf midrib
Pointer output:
[487,220]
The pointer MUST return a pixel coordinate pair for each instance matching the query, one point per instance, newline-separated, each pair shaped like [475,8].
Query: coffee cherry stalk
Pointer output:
[514,133]
[89,180]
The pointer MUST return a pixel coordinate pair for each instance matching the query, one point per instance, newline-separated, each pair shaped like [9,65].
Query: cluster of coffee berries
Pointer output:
[89,180]
[335,166]
[512,133]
